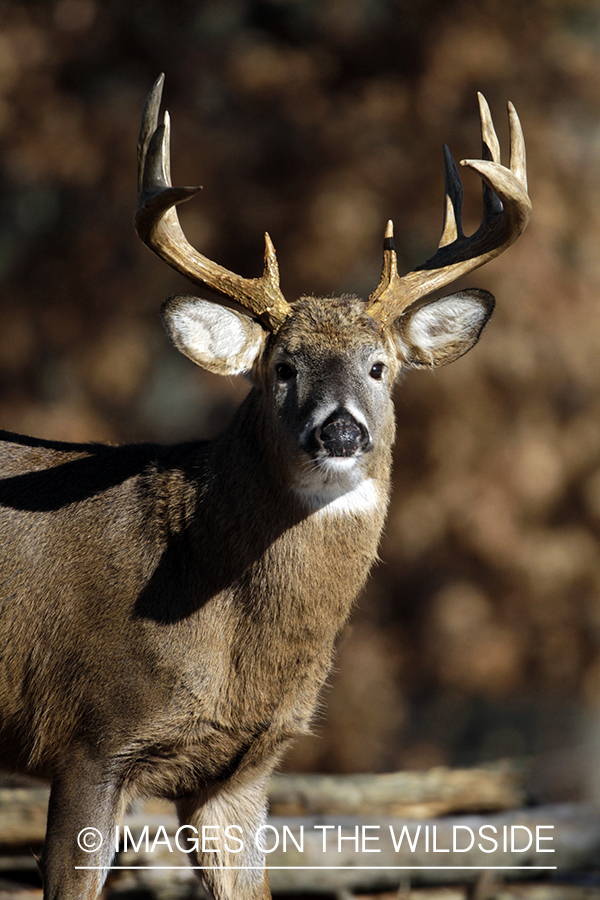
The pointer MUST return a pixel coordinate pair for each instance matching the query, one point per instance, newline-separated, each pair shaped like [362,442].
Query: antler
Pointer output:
[506,211]
[157,224]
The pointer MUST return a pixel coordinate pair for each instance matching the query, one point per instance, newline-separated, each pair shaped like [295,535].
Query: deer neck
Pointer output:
[250,518]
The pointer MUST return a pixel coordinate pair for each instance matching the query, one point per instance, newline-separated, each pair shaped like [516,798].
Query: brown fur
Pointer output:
[168,614]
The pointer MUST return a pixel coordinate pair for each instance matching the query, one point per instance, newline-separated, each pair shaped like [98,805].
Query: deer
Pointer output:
[169,614]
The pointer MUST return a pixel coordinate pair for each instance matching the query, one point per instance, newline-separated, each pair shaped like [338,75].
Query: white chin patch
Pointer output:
[335,486]
[341,464]
[361,499]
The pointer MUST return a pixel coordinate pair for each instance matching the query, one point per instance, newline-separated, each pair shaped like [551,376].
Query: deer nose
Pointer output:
[341,435]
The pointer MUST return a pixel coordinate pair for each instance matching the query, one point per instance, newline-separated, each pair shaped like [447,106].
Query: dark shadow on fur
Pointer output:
[56,483]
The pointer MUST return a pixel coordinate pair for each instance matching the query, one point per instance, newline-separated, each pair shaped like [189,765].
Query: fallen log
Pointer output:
[378,853]
[520,891]
[346,825]
[23,813]
[418,795]
[333,853]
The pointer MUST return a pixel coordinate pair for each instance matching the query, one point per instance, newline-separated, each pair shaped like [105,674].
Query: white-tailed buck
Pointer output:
[168,614]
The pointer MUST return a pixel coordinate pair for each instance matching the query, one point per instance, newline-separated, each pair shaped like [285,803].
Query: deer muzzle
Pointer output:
[340,435]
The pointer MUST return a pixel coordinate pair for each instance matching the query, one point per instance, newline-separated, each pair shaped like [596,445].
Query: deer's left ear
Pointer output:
[440,331]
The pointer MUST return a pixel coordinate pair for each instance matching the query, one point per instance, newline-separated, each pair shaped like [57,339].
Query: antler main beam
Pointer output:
[506,211]
[157,224]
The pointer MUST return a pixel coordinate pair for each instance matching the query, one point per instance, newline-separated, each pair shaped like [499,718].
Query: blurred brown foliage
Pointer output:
[319,119]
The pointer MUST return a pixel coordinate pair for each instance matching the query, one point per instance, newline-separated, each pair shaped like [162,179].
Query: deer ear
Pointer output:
[217,338]
[442,330]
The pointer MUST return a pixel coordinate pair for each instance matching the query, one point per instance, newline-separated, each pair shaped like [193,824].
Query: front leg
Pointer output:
[232,817]
[85,807]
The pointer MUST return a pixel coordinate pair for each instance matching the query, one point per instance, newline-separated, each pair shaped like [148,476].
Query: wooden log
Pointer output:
[576,831]
[20,892]
[418,795]
[437,792]
[522,891]
[333,853]
[439,853]
[23,815]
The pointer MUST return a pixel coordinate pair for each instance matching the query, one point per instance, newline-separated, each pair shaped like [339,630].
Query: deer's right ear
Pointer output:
[217,338]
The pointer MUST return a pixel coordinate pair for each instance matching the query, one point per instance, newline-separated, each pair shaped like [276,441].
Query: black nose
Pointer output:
[341,435]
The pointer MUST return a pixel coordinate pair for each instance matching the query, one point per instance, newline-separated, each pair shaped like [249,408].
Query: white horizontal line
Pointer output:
[301,868]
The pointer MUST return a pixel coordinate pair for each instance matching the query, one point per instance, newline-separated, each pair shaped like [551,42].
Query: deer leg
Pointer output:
[233,864]
[85,807]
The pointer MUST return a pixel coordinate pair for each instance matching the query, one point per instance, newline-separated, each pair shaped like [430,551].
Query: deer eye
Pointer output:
[284,372]
[377,371]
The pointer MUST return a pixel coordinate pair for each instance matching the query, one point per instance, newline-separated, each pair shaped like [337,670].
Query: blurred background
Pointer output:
[479,634]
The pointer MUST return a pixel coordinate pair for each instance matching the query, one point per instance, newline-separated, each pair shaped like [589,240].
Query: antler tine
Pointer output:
[389,272]
[490,150]
[149,125]
[506,211]
[452,229]
[518,157]
[157,224]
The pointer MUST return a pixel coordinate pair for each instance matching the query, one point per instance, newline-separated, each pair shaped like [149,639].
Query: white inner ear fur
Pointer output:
[453,318]
[444,329]
[213,336]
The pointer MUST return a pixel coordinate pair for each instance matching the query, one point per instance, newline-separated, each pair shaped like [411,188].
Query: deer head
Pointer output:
[328,365]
